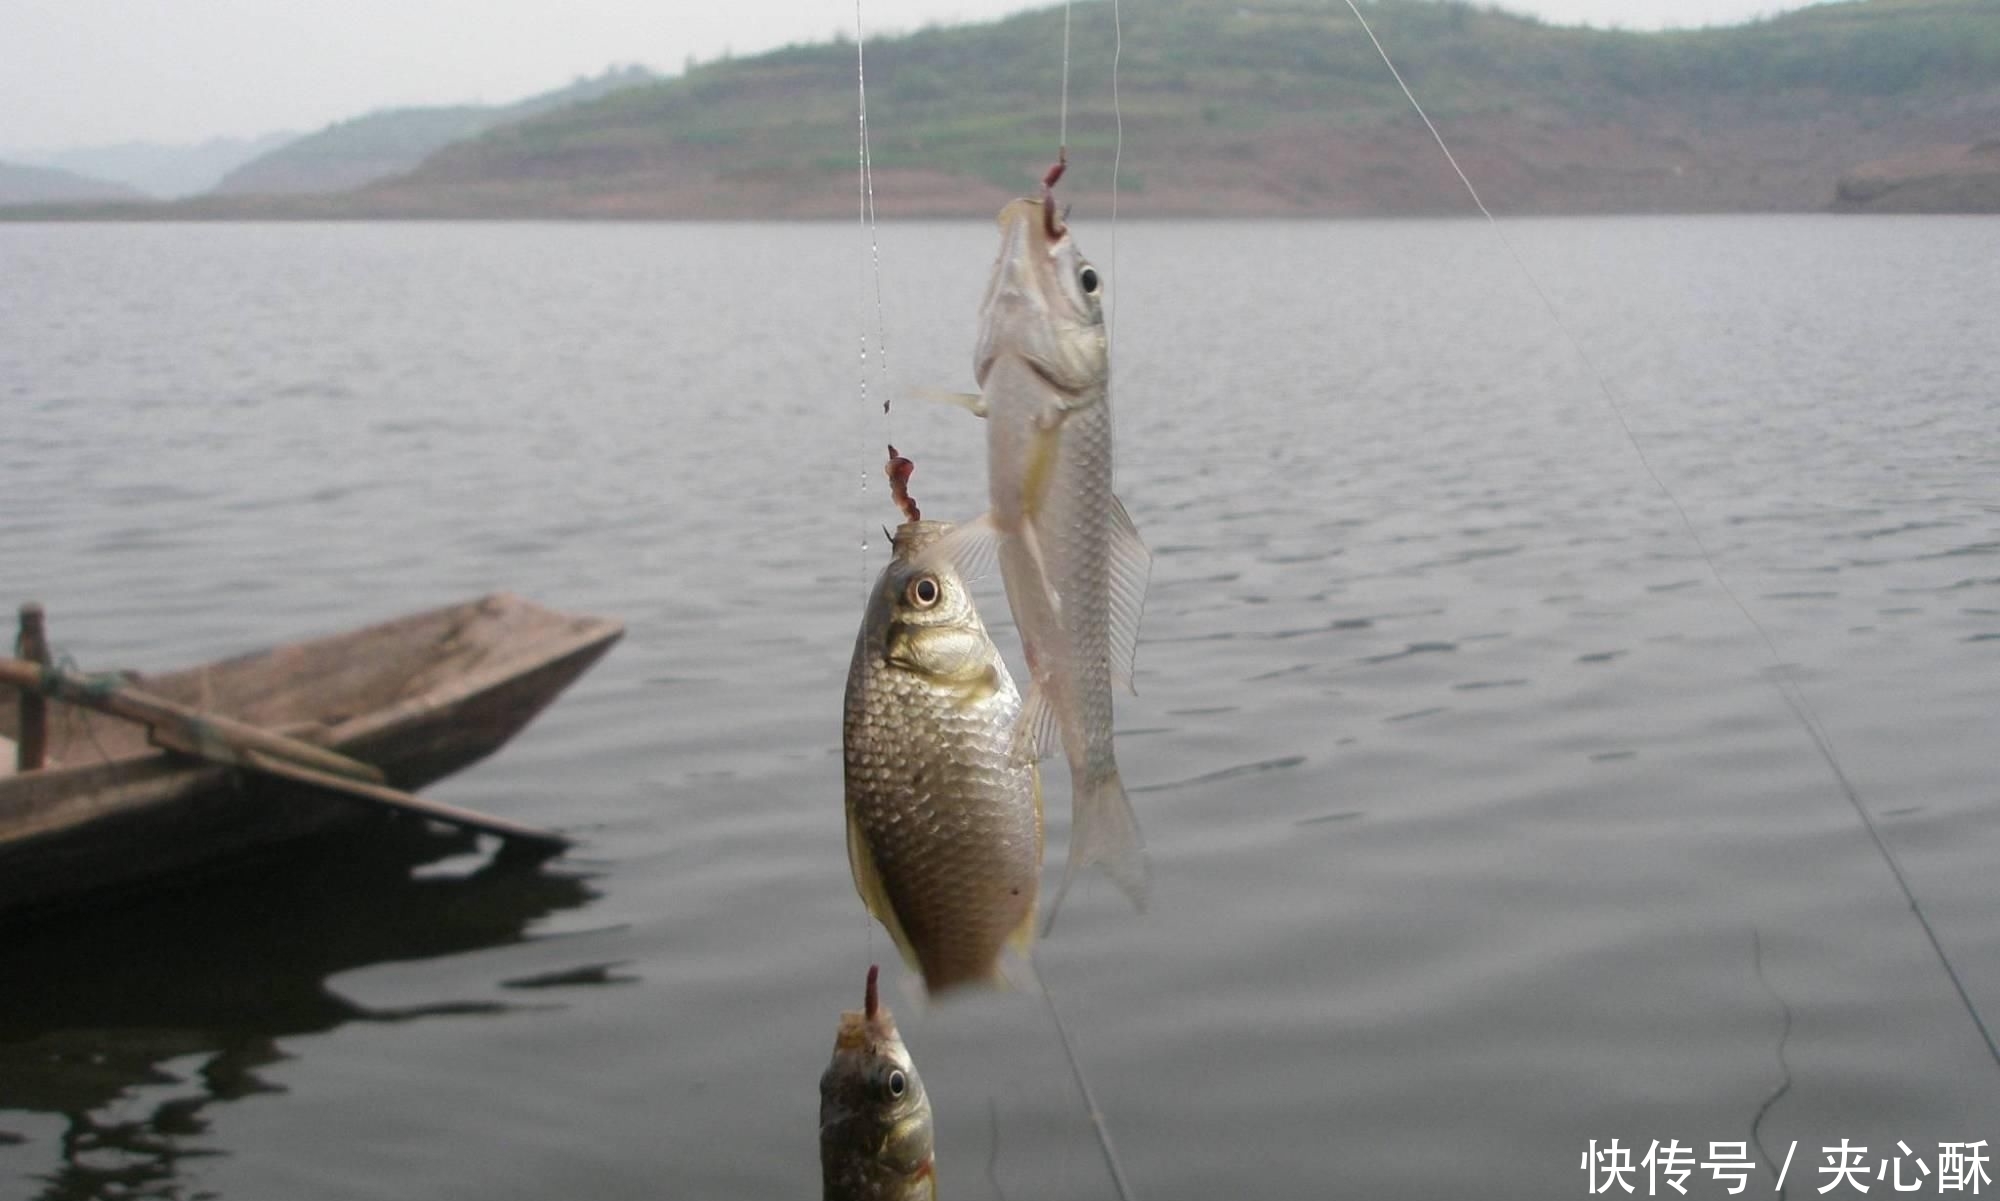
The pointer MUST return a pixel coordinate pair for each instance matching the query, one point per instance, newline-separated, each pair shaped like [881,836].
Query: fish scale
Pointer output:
[1074,567]
[944,824]
[1076,544]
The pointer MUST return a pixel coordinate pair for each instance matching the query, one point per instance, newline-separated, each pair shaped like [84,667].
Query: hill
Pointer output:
[164,171]
[51,185]
[352,153]
[1244,108]
[1262,107]
[1938,179]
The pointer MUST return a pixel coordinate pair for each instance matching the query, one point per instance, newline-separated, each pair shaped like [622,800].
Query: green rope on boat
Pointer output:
[96,685]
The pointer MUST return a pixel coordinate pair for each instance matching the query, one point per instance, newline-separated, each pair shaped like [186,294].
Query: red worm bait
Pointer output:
[899,470]
[1050,223]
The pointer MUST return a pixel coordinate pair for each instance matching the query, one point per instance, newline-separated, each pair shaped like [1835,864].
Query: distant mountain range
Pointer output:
[25,185]
[166,172]
[1252,108]
[352,153]
[338,158]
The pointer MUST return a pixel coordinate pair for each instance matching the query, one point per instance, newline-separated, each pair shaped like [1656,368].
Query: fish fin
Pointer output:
[971,402]
[1035,732]
[1041,826]
[868,882]
[1104,830]
[1131,572]
[1023,974]
[1022,940]
[969,548]
[916,995]
[1016,972]
[1006,969]
[1031,545]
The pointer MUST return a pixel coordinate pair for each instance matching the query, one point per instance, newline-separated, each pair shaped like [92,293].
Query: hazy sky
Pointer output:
[84,72]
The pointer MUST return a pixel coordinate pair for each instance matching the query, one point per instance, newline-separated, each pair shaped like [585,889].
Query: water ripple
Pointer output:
[1228,773]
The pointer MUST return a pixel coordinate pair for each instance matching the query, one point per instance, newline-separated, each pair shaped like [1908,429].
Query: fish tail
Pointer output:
[1104,830]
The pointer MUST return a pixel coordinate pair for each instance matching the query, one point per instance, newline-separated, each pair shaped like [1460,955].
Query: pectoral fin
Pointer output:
[971,402]
[868,882]
[1035,733]
[1131,572]
[1038,615]
[1037,564]
[969,548]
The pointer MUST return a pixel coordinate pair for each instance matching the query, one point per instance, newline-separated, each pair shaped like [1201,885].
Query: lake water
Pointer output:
[1480,826]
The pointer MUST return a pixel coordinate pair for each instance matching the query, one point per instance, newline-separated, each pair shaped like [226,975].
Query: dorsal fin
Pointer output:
[1131,571]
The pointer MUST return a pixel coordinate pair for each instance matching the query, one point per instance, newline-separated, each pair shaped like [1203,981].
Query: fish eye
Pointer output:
[897,1083]
[1088,278]
[924,592]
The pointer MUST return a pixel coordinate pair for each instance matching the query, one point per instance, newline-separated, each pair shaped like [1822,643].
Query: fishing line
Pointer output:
[1784,1068]
[1781,677]
[1097,1122]
[864,187]
[1112,1163]
[1062,137]
[993,1148]
[865,204]
[1117,157]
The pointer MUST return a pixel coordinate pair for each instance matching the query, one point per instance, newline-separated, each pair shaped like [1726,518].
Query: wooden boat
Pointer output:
[418,697]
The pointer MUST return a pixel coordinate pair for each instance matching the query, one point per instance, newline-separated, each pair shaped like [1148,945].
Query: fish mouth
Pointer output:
[956,658]
[1039,215]
[853,1034]
[1030,312]
[1022,231]
[1018,291]
[913,536]
[901,649]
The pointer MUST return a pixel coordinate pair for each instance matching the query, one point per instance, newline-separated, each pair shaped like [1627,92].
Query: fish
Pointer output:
[875,1133]
[944,823]
[1073,564]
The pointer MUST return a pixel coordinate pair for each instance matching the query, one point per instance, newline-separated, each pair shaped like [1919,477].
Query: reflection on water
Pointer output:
[129,1023]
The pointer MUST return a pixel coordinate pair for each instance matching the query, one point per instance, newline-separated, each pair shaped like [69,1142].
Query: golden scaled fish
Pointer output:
[944,824]
[1075,569]
[874,1120]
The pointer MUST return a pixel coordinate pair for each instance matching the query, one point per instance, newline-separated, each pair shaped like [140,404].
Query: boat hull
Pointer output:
[131,817]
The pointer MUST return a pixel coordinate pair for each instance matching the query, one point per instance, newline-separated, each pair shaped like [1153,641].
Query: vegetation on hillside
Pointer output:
[1244,107]
[1222,79]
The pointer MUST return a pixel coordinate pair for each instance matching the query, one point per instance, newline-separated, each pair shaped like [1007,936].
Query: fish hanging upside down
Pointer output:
[874,1120]
[1074,567]
[944,824]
